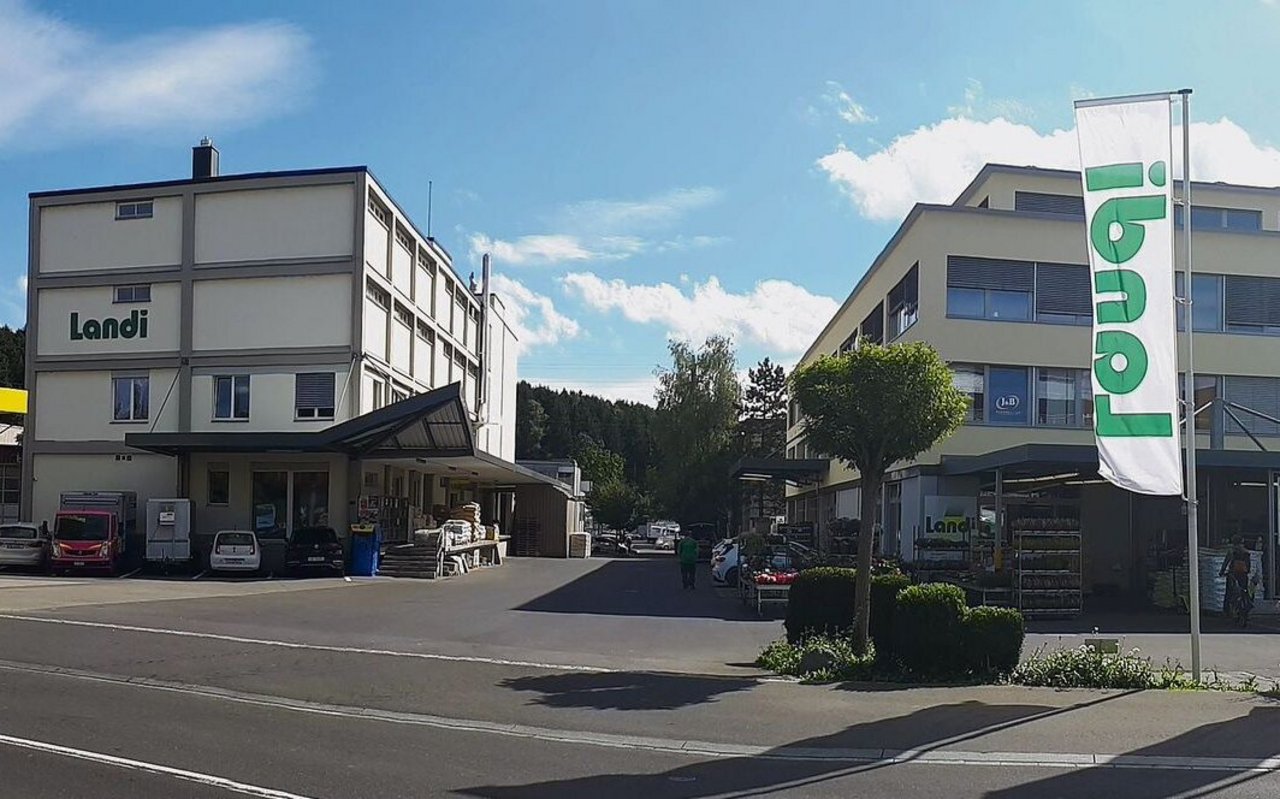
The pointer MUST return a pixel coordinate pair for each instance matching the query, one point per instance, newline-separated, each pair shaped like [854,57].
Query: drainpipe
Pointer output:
[486,296]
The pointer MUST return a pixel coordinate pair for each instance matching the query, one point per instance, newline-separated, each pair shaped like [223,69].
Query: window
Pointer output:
[971,379]
[1205,217]
[1007,395]
[904,302]
[404,316]
[988,288]
[138,209]
[404,239]
[131,398]
[1064,397]
[872,328]
[231,397]
[133,294]
[380,296]
[379,394]
[1206,302]
[313,395]
[1261,394]
[1063,294]
[1252,304]
[1208,388]
[219,485]
[1039,202]
[379,212]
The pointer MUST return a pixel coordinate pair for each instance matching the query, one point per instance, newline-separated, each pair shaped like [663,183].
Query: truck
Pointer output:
[94,531]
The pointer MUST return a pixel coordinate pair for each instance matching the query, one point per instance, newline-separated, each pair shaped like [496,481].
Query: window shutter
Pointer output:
[1063,288]
[989,273]
[1064,204]
[1253,300]
[314,390]
[1261,394]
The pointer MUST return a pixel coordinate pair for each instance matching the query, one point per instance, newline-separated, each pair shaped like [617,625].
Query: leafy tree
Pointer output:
[616,504]
[872,407]
[698,404]
[13,357]
[599,465]
[762,432]
[531,424]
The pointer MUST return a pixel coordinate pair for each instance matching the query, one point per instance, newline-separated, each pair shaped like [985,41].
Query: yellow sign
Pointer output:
[13,400]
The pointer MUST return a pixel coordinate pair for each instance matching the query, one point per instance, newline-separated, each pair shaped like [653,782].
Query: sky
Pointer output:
[639,171]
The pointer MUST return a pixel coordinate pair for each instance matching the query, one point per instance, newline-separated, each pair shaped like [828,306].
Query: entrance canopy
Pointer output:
[792,470]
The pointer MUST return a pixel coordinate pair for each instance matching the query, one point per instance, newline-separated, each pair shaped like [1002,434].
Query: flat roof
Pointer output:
[989,169]
[162,184]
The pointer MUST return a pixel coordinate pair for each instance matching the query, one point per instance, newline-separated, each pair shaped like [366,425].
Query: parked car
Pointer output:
[24,544]
[235,551]
[724,563]
[665,542]
[313,549]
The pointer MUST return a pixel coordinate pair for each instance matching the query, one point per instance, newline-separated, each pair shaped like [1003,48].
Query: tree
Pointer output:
[872,407]
[762,431]
[698,404]
[13,357]
[599,465]
[616,504]
[531,424]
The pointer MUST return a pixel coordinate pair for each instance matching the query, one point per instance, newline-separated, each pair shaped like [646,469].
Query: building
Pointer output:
[283,348]
[998,282]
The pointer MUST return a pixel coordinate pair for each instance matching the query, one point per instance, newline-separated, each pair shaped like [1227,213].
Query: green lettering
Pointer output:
[76,335]
[93,329]
[1108,345]
[1113,176]
[1127,212]
[110,328]
[1121,281]
[1129,425]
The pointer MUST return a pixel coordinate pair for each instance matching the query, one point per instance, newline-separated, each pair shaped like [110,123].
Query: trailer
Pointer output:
[169,532]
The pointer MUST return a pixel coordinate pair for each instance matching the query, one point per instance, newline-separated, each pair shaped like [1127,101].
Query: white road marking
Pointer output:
[152,768]
[675,746]
[350,650]
[130,574]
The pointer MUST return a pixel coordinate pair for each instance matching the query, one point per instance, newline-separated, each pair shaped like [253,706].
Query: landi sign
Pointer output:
[132,326]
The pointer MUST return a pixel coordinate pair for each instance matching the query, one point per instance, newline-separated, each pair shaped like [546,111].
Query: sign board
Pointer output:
[1126,167]
[949,518]
[1007,401]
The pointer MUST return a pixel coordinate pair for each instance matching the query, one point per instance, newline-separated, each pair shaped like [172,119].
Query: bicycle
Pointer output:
[1242,601]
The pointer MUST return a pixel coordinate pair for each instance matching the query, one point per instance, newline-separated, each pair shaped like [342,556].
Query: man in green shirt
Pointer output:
[687,551]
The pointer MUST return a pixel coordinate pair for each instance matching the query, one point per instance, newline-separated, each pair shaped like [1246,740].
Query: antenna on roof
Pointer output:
[428,209]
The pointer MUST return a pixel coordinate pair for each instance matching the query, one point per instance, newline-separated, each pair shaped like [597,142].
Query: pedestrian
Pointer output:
[687,552]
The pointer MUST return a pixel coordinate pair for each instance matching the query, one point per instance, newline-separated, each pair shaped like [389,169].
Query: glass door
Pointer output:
[271,504]
[310,499]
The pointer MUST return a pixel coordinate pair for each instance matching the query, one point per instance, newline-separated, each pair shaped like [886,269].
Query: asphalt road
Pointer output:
[541,679]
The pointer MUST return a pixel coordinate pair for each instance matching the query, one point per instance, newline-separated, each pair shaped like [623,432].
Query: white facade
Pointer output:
[282,302]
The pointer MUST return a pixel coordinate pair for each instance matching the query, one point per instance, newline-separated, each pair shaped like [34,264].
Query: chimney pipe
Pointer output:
[204,160]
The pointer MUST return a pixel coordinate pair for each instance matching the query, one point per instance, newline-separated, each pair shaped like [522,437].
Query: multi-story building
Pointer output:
[998,282]
[274,346]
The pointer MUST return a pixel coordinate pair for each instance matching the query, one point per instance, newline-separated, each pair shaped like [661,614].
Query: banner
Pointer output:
[1126,168]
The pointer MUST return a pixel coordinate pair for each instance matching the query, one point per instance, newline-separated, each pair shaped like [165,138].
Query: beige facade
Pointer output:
[998,283]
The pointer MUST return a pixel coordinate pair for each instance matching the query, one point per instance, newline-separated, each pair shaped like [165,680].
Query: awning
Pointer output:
[793,469]
[430,425]
[1029,457]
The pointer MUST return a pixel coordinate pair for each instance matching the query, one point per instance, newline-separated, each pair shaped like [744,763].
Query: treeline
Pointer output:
[13,357]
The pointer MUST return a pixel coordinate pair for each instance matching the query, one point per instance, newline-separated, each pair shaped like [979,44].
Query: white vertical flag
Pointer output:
[1126,168]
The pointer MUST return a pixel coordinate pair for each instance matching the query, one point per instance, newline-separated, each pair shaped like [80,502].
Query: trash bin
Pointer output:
[365,543]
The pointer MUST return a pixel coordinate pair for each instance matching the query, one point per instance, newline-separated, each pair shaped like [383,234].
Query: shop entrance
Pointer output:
[285,500]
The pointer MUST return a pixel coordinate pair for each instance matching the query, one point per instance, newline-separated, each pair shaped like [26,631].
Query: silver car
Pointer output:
[24,544]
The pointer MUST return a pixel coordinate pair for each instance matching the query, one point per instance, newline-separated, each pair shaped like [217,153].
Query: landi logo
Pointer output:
[1117,234]
[132,326]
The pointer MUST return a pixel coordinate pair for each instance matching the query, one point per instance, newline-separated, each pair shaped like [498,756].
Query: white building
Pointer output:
[279,347]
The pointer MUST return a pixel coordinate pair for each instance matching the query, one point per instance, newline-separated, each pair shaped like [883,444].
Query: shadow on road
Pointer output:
[626,690]
[781,769]
[640,587]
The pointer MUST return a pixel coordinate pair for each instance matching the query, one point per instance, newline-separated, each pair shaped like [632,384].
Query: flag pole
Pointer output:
[1189,401]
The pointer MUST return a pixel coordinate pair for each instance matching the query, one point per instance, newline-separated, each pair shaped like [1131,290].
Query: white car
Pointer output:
[724,562]
[235,550]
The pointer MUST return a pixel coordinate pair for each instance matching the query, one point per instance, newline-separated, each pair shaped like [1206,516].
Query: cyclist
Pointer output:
[1235,567]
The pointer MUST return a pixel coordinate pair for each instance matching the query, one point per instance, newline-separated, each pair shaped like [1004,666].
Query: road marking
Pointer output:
[130,574]
[350,650]
[675,746]
[152,768]
[198,576]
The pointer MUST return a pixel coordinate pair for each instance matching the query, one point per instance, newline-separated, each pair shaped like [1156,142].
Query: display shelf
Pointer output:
[1047,561]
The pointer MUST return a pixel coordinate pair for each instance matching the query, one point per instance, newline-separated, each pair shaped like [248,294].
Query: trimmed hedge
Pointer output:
[822,602]
[993,639]
[928,629]
[884,599]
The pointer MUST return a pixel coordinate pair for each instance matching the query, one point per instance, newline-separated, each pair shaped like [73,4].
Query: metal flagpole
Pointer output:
[1189,402]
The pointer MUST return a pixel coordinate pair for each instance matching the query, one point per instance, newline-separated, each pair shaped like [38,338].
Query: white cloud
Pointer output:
[934,163]
[776,314]
[639,389]
[61,81]
[604,230]
[977,105]
[844,105]
[533,316]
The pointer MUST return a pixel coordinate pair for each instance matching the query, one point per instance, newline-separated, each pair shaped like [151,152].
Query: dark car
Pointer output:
[313,549]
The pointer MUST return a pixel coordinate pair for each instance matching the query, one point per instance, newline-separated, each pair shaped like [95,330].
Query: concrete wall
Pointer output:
[56,305]
[263,224]
[79,406]
[238,512]
[281,312]
[375,331]
[151,476]
[402,348]
[271,399]
[88,236]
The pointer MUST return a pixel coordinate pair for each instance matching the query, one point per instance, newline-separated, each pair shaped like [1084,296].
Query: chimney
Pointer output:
[204,160]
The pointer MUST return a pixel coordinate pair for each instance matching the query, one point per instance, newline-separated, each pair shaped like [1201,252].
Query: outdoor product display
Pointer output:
[1047,578]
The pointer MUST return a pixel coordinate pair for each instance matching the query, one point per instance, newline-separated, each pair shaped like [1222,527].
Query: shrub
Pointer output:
[818,658]
[884,598]
[928,629]
[1084,667]
[820,601]
[993,639]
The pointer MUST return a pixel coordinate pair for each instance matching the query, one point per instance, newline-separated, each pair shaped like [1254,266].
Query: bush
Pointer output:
[993,639]
[928,629]
[821,601]
[818,658]
[884,599]
[1083,667]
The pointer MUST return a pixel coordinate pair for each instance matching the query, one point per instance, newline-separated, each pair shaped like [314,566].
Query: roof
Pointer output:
[988,170]
[778,468]
[164,184]
[10,435]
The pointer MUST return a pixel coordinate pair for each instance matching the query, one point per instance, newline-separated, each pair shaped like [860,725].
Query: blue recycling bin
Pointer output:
[366,540]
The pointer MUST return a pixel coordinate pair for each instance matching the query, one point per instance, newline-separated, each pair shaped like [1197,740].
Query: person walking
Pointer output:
[687,552]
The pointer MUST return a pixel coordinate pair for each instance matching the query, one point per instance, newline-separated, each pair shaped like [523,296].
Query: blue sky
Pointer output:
[640,170]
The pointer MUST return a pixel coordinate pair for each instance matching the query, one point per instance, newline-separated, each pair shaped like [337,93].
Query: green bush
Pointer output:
[1084,667]
[821,601]
[993,639]
[928,630]
[818,659]
[884,598]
